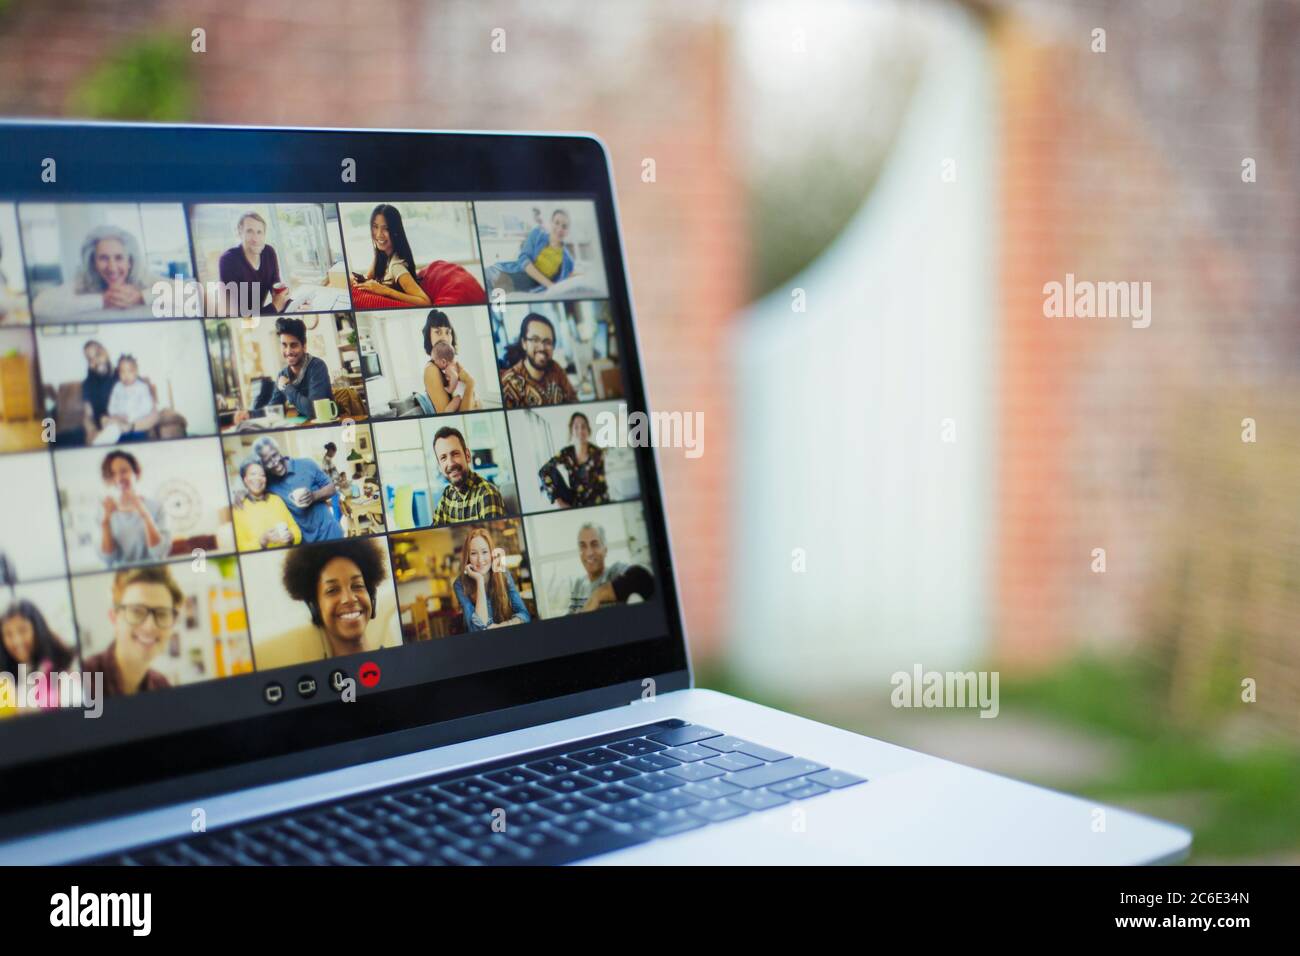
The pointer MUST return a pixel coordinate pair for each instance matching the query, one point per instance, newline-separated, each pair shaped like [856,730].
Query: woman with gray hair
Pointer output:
[111,277]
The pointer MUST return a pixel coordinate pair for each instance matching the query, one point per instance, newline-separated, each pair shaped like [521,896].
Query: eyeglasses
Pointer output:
[136,614]
[538,342]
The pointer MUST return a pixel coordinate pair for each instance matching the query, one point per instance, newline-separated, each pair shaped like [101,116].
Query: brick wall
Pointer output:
[1127,165]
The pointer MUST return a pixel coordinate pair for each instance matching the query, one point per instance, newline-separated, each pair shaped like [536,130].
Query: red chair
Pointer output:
[444,282]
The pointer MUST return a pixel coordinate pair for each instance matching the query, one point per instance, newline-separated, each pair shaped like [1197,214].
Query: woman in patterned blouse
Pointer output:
[585,464]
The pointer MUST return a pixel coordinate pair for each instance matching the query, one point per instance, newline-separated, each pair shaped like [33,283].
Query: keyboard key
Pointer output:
[758,799]
[474,828]
[540,839]
[655,782]
[650,763]
[553,766]
[679,736]
[494,852]
[478,807]
[627,812]
[596,756]
[715,811]
[567,805]
[669,800]
[734,745]
[724,744]
[569,783]
[761,752]
[669,823]
[614,794]
[785,786]
[689,754]
[637,747]
[691,772]
[581,826]
[367,811]
[526,816]
[457,858]
[404,852]
[466,788]
[835,779]
[428,818]
[512,776]
[711,789]
[524,794]
[807,790]
[771,773]
[609,773]
[734,761]
[416,800]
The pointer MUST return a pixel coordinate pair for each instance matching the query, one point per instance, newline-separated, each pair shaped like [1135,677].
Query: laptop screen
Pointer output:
[272,451]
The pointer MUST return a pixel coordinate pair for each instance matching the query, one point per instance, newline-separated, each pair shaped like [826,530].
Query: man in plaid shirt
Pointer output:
[468,496]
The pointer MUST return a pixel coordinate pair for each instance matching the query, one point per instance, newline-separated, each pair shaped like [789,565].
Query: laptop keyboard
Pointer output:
[549,807]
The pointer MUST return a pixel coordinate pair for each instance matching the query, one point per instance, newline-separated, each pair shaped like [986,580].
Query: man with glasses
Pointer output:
[303,487]
[145,608]
[536,379]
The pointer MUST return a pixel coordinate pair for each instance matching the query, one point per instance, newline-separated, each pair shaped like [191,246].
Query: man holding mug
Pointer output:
[304,382]
[303,487]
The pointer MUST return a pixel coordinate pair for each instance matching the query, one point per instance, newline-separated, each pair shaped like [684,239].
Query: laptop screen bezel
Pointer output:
[107,161]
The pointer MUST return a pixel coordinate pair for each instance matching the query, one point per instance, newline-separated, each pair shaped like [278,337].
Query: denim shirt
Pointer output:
[536,241]
[471,615]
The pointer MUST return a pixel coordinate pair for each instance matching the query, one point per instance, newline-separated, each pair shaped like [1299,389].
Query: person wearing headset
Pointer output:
[338,583]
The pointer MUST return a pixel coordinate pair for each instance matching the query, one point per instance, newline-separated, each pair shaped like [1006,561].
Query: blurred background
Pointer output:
[840,258]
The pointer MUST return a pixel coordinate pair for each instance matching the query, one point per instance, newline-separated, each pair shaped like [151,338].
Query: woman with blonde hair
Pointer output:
[486,591]
[111,277]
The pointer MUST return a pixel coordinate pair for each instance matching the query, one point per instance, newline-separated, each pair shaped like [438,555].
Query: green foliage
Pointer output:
[147,79]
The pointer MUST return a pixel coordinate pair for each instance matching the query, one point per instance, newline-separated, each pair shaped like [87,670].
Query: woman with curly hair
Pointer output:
[338,583]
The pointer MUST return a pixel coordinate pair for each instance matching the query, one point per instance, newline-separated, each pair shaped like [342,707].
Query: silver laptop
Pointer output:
[333,534]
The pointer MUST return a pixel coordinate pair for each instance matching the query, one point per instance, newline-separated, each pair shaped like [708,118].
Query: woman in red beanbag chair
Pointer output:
[445,283]
[391,279]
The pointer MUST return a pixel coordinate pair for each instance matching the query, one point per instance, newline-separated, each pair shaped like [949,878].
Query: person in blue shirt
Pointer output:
[304,378]
[303,487]
[486,591]
[543,260]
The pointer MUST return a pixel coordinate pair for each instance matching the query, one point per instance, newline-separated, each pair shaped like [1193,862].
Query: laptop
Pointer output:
[358,637]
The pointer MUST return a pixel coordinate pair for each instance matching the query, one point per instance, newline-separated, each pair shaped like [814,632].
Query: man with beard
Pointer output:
[304,378]
[535,379]
[96,388]
[301,484]
[468,496]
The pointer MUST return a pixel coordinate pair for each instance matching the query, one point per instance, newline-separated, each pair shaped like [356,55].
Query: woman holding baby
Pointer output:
[449,386]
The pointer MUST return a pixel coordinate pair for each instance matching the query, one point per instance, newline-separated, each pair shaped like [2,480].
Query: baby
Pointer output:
[444,356]
[130,401]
